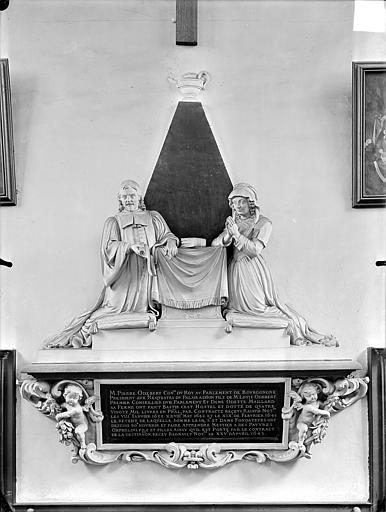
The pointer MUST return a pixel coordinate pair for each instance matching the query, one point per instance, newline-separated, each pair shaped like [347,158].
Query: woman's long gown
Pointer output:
[252,290]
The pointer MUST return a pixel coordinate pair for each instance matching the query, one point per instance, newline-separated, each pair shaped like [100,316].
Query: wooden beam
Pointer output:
[186,22]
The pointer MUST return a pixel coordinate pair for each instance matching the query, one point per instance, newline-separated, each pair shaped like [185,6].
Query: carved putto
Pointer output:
[75,413]
[69,404]
[311,418]
[314,400]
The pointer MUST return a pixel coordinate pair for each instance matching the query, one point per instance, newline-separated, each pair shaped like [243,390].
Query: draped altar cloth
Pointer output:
[193,279]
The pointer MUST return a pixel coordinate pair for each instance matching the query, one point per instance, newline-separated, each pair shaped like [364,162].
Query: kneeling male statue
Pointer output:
[128,241]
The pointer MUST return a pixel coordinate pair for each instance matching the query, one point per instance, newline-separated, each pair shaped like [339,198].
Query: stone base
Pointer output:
[208,342]
[192,340]
[185,335]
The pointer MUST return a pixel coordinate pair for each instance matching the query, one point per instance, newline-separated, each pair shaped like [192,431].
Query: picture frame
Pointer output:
[7,160]
[376,358]
[369,134]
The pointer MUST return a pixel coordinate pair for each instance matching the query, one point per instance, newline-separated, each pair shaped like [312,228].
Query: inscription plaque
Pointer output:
[232,412]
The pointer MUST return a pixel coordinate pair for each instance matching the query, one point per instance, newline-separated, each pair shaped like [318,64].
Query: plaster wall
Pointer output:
[92,105]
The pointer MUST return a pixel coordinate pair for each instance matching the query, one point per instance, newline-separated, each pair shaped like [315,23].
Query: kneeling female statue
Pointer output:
[253,301]
[128,241]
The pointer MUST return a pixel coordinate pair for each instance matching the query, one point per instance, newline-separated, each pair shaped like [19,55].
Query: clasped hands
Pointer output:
[232,230]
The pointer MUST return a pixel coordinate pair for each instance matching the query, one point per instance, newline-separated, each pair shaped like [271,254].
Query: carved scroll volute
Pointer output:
[349,390]
[38,393]
[58,388]
[33,390]
[69,404]
[53,400]
[327,387]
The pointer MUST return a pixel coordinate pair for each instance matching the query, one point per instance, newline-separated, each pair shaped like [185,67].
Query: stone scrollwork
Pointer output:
[177,456]
[38,393]
[69,404]
[313,401]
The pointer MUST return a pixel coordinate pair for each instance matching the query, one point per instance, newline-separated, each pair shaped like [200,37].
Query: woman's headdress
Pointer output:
[244,190]
[249,192]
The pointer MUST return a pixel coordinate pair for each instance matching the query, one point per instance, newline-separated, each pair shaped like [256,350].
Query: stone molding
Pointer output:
[338,394]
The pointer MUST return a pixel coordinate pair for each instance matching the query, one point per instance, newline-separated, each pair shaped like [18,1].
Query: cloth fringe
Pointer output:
[194,304]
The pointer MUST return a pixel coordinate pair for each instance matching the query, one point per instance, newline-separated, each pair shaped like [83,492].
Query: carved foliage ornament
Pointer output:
[313,400]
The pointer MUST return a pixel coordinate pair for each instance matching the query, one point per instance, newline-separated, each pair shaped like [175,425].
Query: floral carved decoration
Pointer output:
[313,401]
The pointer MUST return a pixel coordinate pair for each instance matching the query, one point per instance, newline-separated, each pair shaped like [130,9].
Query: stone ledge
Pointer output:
[190,339]
[292,359]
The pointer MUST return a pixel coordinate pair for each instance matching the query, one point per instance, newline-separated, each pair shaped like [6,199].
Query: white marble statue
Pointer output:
[253,301]
[310,407]
[72,424]
[128,241]
[74,412]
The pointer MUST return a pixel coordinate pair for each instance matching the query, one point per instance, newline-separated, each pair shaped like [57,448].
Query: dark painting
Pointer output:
[7,163]
[369,134]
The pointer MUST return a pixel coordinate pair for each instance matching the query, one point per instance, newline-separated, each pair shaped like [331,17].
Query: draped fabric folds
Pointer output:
[127,276]
[253,300]
[195,278]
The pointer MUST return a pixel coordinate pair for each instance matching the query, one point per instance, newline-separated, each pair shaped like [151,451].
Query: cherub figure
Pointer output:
[310,409]
[75,411]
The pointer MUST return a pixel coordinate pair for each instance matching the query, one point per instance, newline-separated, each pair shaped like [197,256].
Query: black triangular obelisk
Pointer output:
[190,183]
